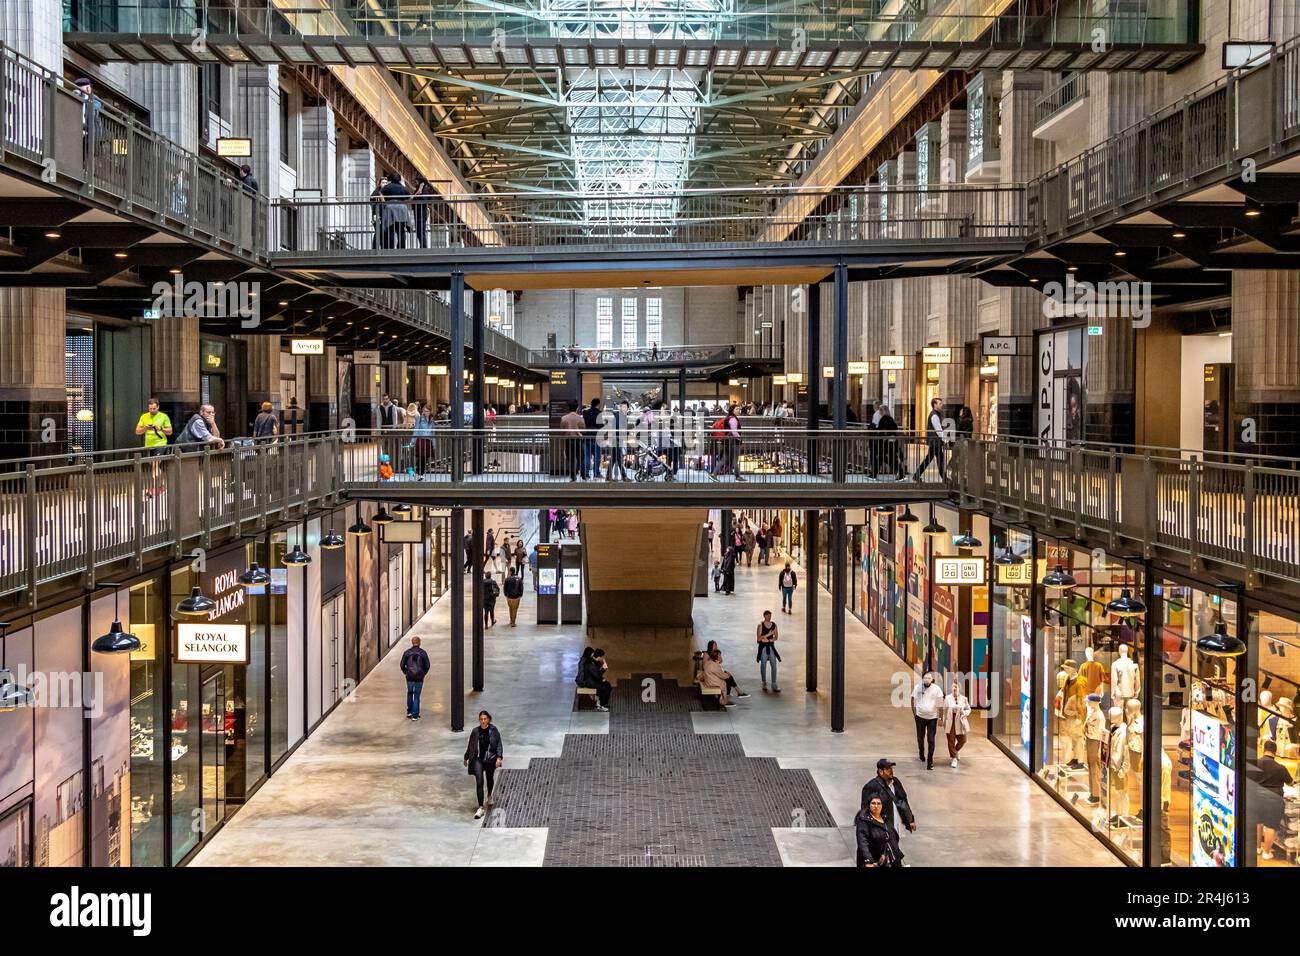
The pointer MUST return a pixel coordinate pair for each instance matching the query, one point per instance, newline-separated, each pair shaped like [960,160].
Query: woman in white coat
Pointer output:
[956,720]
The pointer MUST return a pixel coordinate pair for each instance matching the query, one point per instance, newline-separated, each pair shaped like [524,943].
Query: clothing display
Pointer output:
[1092,674]
[1125,676]
[1094,732]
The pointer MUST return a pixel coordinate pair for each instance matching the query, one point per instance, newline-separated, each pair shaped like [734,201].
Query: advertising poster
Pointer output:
[1026,679]
[916,599]
[944,624]
[546,579]
[1212,822]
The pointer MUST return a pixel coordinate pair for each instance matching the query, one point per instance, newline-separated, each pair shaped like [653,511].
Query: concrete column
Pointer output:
[839,600]
[358,177]
[322,391]
[476,585]
[35,29]
[176,367]
[171,94]
[1266,361]
[262,361]
[810,592]
[395,382]
[33,396]
[456,633]
[954,300]
[256,114]
[319,151]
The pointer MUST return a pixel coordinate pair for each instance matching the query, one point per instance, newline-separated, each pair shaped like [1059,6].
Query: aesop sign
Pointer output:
[208,643]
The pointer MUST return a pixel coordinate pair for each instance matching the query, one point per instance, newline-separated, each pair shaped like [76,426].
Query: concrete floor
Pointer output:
[372,788]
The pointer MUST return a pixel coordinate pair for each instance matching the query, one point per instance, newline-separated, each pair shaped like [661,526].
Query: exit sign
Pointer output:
[1094,330]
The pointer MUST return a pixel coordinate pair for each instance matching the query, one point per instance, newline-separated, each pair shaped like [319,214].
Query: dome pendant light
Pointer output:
[1008,558]
[1126,603]
[1059,579]
[360,528]
[402,509]
[967,541]
[296,558]
[196,605]
[934,529]
[116,641]
[332,541]
[885,509]
[907,517]
[1220,643]
[254,576]
[382,517]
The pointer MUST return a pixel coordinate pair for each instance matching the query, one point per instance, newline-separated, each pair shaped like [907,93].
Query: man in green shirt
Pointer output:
[154,425]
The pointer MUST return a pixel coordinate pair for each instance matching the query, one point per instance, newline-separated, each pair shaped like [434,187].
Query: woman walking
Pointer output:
[767,635]
[956,720]
[877,841]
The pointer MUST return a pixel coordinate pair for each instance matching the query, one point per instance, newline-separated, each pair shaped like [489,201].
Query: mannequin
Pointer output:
[1125,678]
[1070,707]
[1094,732]
[1118,765]
[1267,726]
[1092,673]
[1134,722]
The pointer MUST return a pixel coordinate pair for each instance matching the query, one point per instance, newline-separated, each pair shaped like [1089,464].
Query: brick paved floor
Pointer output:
[652,792]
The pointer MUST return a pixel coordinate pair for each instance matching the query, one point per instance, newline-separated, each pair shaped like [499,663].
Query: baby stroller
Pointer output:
[651,464]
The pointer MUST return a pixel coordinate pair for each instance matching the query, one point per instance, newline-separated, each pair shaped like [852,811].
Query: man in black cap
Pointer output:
[892,795]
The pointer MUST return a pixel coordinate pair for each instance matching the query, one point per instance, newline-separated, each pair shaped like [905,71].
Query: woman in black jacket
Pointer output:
[591,673]
[877,842]
[483,756]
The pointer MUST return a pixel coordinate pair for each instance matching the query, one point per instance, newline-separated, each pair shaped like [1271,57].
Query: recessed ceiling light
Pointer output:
[1120,252]
[174,272]
[1180,234]
[284,301]
[1072,269]
[119,255]
[53,234]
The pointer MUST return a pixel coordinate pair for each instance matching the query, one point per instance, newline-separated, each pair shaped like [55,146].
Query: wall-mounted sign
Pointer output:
[403,532]
[365,357]
[960,570]
[145,634]
[437,370]
[1237,53]
[1001,345]
[1015,575]
[766,325]
[891,362]
[151,313]
[1094,330]
[778,379]
[559,376]
[794,378]
[859,368]
[828,371]
[489,379]
[307,347]
[234,147]
[303,192]
[936,355]
[210,643]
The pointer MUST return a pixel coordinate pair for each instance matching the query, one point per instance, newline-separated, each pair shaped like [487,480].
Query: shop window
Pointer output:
[1091,680]
[148,622]
[1197,705]
[1010,717]
[16,836]
[1272,797]
[187,821]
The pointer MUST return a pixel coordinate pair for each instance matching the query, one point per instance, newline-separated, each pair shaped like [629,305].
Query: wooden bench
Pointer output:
[586,692]
[710,692]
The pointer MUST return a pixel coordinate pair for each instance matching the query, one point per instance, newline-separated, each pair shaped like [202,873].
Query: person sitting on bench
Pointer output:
[714,675]
[591,673]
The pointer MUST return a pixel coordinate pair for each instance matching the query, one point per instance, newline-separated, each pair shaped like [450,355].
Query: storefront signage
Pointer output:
[794,378]
[828,371]
[234,147]
[145,634]
[888,362]
[936,355]
[1001,345]
[859,368]
[963,570]
[365,357]
[1015,575]
[307,347]
[778,379]
[437,370]
[403,532]
[209,643]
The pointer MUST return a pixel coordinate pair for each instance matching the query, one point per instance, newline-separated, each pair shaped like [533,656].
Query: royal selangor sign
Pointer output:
[208,643]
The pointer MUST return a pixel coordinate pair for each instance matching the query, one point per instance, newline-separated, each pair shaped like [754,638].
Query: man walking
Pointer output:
[935,440]
[896,810]
[787,581]
[514,589]
[415,665]
[927,700]
[616,432]
[572,426]
[590,449]
[483,756]
[490,591]
[266,426]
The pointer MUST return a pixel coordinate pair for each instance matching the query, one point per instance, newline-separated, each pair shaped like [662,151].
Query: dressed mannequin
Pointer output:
[1267,726]
[1125,678]
[1118,765]
[1070,707]
[1134,721]
[1094,732]
[1092,673]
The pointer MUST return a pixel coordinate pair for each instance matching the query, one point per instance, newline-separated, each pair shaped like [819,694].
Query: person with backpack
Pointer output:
[514,589]
[266,425]
[201,429]
[483,756]
[787,581]
[415,666]
[490,591]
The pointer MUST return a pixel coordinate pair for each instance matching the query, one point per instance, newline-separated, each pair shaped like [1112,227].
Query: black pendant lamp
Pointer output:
[934,529]
[360,528]
[332,541]
[907,517]
[254,576]
[196,605]
[1126,603]
[402,509]
[1008,558]
[1059,579]
[116,641]
[1220,643]
[885,509]
[967,541]
[382,517]
[297,557]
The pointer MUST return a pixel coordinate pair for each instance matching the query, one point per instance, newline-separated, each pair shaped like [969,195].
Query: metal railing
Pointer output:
[1069,91]
[699,218]
[84,146]
[666,355]
[1242,515]
[1249,113]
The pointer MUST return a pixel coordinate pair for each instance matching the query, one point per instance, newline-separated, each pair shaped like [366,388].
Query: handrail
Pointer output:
[642,355]
[1070,90]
